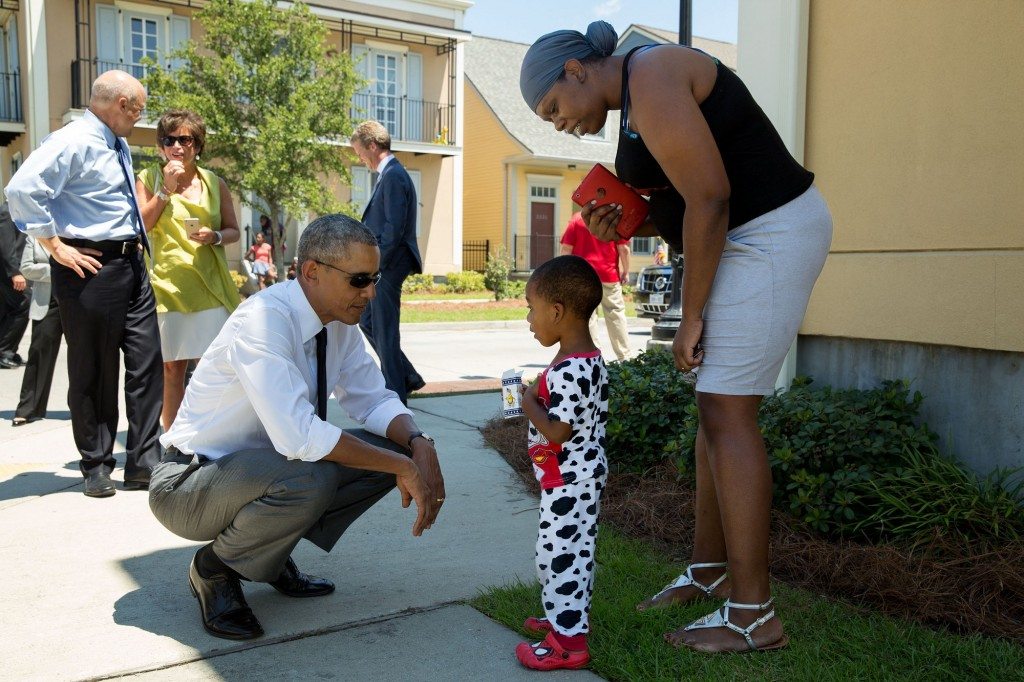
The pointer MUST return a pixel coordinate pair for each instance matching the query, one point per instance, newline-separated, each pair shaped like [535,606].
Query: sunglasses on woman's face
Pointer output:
[359,280]
[169,140]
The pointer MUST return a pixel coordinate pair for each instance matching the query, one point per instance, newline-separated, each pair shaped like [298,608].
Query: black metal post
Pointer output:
[665,328]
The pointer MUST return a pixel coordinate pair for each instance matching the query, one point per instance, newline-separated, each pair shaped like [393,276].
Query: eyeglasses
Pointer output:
[169,140]
[360,280]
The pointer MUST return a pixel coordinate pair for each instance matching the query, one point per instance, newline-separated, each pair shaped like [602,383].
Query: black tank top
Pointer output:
[762,174]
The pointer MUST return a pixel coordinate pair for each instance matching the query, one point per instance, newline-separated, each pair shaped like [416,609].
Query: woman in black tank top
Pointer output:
[691,129]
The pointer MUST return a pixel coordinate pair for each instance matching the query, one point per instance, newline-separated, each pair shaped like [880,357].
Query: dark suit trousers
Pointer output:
[380,323]
[42,357]
[13,315]
[103,315]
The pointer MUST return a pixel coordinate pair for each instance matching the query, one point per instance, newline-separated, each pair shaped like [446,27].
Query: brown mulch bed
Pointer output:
[944,585]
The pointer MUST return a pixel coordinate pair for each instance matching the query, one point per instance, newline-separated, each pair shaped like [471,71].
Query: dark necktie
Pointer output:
[124,161]
[321,374]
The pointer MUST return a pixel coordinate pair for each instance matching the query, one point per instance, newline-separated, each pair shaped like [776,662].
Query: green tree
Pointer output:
[275,100]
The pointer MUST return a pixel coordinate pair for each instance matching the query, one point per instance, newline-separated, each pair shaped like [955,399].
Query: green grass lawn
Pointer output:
[453,308]
[828,640]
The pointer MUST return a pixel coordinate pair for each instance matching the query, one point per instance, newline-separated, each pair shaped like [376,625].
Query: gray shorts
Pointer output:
[760,295]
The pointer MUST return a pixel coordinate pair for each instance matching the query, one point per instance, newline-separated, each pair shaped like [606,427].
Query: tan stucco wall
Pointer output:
[914,131]
[484,212]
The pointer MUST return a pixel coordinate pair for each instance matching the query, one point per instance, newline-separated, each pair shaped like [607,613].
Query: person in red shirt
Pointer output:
[611,261]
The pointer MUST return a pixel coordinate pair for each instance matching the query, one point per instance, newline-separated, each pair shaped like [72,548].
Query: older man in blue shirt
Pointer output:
[75,195]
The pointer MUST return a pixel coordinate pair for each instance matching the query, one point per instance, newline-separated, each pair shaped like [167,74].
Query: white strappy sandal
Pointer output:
[720,619]
[687,580]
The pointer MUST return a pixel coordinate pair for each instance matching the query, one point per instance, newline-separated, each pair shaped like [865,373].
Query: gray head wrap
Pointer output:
[545,60]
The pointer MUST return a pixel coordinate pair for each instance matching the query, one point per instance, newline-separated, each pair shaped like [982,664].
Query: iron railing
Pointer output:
[85,71]
[529,251]
[408,120]
[10,97]
[475,254]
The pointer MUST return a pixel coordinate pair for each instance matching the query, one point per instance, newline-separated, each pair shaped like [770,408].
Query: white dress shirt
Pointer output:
[255,386]
[73,186]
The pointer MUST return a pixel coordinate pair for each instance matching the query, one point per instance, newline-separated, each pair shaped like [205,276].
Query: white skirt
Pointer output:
[760,294]
[186,336]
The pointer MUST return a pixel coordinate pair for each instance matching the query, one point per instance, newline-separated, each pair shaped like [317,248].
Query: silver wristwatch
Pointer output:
[419,434]
[162,195]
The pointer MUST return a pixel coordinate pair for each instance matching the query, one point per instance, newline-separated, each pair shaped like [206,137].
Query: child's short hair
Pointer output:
[571,281]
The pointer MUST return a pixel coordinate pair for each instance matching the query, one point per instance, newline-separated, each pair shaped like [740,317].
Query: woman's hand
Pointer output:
[173,172]
[203,235]
[686,345]
[602,220]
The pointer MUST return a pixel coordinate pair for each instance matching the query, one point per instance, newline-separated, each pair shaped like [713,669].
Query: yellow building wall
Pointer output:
[914,131]
[486,144]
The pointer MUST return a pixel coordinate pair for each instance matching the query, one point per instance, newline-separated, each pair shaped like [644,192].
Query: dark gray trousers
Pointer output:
[255,505]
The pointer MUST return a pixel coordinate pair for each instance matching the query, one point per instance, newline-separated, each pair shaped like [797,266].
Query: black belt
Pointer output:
[173,454]
[108,246]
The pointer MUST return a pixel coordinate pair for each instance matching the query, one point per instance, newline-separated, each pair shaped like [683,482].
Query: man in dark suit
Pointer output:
[14,292]
[391,216]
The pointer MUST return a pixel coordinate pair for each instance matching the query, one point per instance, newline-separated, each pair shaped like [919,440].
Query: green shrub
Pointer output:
[418,284]
[648,405]
[465,281]
[496,274]
[929,495]
[516,288]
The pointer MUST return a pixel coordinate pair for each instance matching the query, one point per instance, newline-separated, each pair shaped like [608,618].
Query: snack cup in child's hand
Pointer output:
[512,393]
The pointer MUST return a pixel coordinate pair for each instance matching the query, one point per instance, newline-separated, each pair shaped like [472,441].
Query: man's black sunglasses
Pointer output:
[169,140]
[360,280]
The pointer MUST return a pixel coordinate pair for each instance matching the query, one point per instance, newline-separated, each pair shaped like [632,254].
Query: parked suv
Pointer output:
[653,290]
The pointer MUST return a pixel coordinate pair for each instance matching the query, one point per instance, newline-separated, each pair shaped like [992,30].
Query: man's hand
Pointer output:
[686,345]
[414,489]
[78,259]
[425,457]
[18,282]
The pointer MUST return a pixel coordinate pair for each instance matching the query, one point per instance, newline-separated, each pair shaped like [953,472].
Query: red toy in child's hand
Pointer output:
[602,186]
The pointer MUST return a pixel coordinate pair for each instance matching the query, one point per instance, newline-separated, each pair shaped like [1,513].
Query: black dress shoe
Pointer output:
[222,606]
[18,359]
[8,363]
[137,485]
[98,484]
[294,583]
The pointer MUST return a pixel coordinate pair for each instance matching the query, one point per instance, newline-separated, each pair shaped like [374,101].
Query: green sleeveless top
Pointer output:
[188,277]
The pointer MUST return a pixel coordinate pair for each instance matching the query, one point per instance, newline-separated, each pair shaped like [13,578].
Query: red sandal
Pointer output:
[537,626]
[548,654]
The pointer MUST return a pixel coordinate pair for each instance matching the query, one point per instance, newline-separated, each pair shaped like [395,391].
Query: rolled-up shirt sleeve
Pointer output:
[264,363]
[360,387]
[38,182]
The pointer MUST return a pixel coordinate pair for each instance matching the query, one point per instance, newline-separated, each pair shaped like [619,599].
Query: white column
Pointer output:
[37,87]
[772,61]
[457,160]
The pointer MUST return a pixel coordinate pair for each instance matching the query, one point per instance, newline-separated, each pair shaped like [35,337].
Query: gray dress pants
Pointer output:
[255,505]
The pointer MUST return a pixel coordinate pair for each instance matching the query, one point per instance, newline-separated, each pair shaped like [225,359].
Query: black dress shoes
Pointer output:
[98,483]
[7,362]
[142,484]
[222,606]
[294,583]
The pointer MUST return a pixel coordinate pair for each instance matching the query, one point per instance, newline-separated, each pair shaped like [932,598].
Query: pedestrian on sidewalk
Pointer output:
[46,336]
[190,216]
[391,216]
[14,291]
[611,262]
[252,465]
[76,195]
[568,409]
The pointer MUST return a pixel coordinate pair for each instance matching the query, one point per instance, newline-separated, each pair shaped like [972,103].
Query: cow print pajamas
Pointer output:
[572,477]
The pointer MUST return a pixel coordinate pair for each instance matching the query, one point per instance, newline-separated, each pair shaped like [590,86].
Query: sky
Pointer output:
[526,20]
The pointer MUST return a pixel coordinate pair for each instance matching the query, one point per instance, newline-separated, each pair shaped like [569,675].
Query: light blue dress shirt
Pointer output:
[73,186]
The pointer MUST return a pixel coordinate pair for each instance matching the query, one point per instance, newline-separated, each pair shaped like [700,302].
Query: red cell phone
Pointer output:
[601,185]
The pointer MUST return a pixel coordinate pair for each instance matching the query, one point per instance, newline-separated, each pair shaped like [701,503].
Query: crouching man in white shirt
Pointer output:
[251,463]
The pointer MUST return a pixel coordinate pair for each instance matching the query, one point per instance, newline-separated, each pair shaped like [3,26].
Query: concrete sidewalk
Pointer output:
[98,589]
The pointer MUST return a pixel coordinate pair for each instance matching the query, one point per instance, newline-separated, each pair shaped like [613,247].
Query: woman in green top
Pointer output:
[189,216]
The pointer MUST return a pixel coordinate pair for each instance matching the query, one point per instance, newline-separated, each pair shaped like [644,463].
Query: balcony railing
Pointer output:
[85,71]
[408,120]
[10,97]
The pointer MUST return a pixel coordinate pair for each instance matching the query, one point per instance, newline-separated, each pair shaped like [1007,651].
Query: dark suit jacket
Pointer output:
[391,216]
[12,245]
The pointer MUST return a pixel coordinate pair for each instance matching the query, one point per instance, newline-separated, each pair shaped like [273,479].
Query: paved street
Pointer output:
[97,588]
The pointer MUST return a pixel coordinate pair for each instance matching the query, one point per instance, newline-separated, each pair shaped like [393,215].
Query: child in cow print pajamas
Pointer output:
[567,406]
